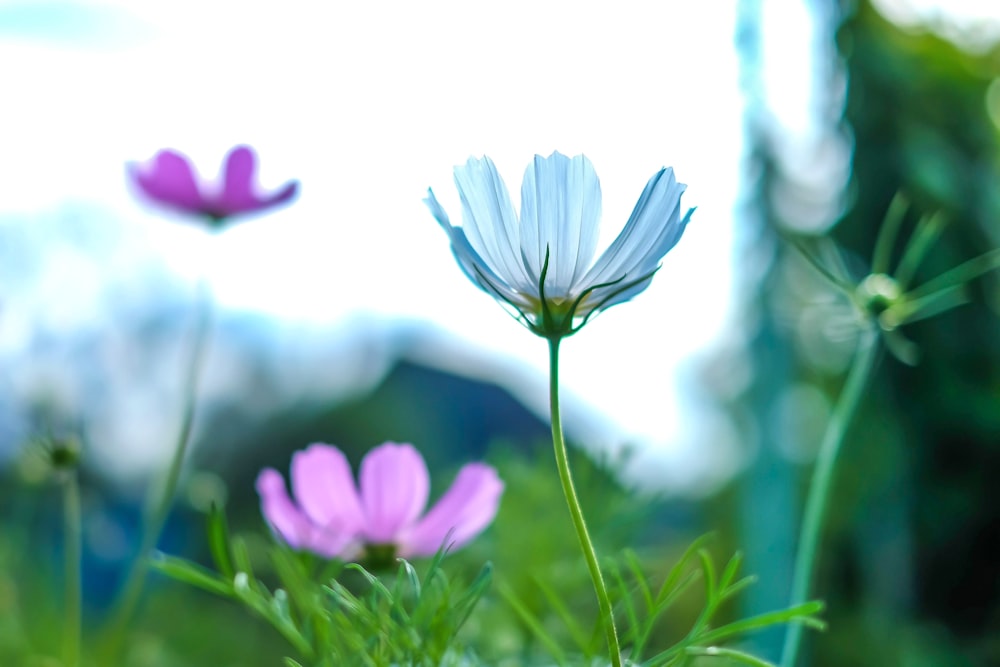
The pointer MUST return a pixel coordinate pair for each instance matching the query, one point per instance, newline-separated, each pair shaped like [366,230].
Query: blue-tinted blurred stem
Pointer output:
[73,600]
[159,509]
[586,545]
[820,485]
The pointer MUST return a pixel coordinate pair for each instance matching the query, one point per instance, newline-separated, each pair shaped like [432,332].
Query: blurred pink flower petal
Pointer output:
[394,489]
[463,512]
[169,180]
[324,488]
[237,190]
[330,517]
[297,529]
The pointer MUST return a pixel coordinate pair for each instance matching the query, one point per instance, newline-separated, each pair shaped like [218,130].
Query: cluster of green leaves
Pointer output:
[642,606]
[337,614]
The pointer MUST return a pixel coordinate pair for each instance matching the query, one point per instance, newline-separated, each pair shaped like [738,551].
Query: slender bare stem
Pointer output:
[158,511]
[576,512]
[74,548]
[821,484]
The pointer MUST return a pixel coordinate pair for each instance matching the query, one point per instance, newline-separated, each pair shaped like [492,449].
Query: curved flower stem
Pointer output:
[586,545]
[819,487]
[74,549]
[156,515]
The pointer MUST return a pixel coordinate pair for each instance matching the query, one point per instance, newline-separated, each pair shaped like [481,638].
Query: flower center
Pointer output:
[380,556]
[877,293]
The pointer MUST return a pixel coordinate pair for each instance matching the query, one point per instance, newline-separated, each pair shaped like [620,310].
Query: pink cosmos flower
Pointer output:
[332,517]
[169,180]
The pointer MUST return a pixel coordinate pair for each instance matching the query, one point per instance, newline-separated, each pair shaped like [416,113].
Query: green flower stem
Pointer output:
[820,486]
[157,513]
[586,545]
[74,547]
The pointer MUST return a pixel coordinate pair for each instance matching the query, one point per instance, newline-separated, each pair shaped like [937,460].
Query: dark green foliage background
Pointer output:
[911,564]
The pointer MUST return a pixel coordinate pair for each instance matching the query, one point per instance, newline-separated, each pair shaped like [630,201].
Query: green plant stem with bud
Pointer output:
[586,545]
[157,512]
[74,549]
[821,484]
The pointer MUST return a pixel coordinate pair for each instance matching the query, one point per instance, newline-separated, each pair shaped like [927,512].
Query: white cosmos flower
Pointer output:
[541,263]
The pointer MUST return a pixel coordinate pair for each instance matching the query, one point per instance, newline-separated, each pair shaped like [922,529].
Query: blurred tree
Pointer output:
[911,559]
[917,105]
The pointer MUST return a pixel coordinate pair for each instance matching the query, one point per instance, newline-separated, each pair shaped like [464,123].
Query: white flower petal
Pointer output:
[561,206]
[606,297]
[653,228]
[489,221]
[560,212]
[471,263]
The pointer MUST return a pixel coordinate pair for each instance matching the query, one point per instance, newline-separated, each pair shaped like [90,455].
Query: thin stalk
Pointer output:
[586,545]
[821,484]
[156,515]
[74,548]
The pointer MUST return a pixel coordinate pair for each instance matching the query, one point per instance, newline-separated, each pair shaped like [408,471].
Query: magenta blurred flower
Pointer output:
[332,517]
[169,180]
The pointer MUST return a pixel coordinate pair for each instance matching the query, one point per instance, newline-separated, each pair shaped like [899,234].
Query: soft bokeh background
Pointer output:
[344,318]
[369,105]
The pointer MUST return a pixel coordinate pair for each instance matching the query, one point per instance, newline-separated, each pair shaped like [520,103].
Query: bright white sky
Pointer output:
[368,104]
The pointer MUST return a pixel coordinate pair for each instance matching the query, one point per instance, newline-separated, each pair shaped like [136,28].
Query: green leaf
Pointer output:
[280,608]
[678,569]
[901,347]
[928,229]
[375,582]
[729,572]
[532,622]
[435,564]
[678,590]
[888,232]
[914,310]
[274,609]
[640,578]
[959,275]
[665,603]
[246,589]
[818,266]
[241,557]
[738,587]
[474,593]
[732,654]
[580,637]
[708,571]
[193,574]
[803,613]
[407,570]
[291,573]
[218,541]
[727,587]
[343,598]
[626,598]
[380,591]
